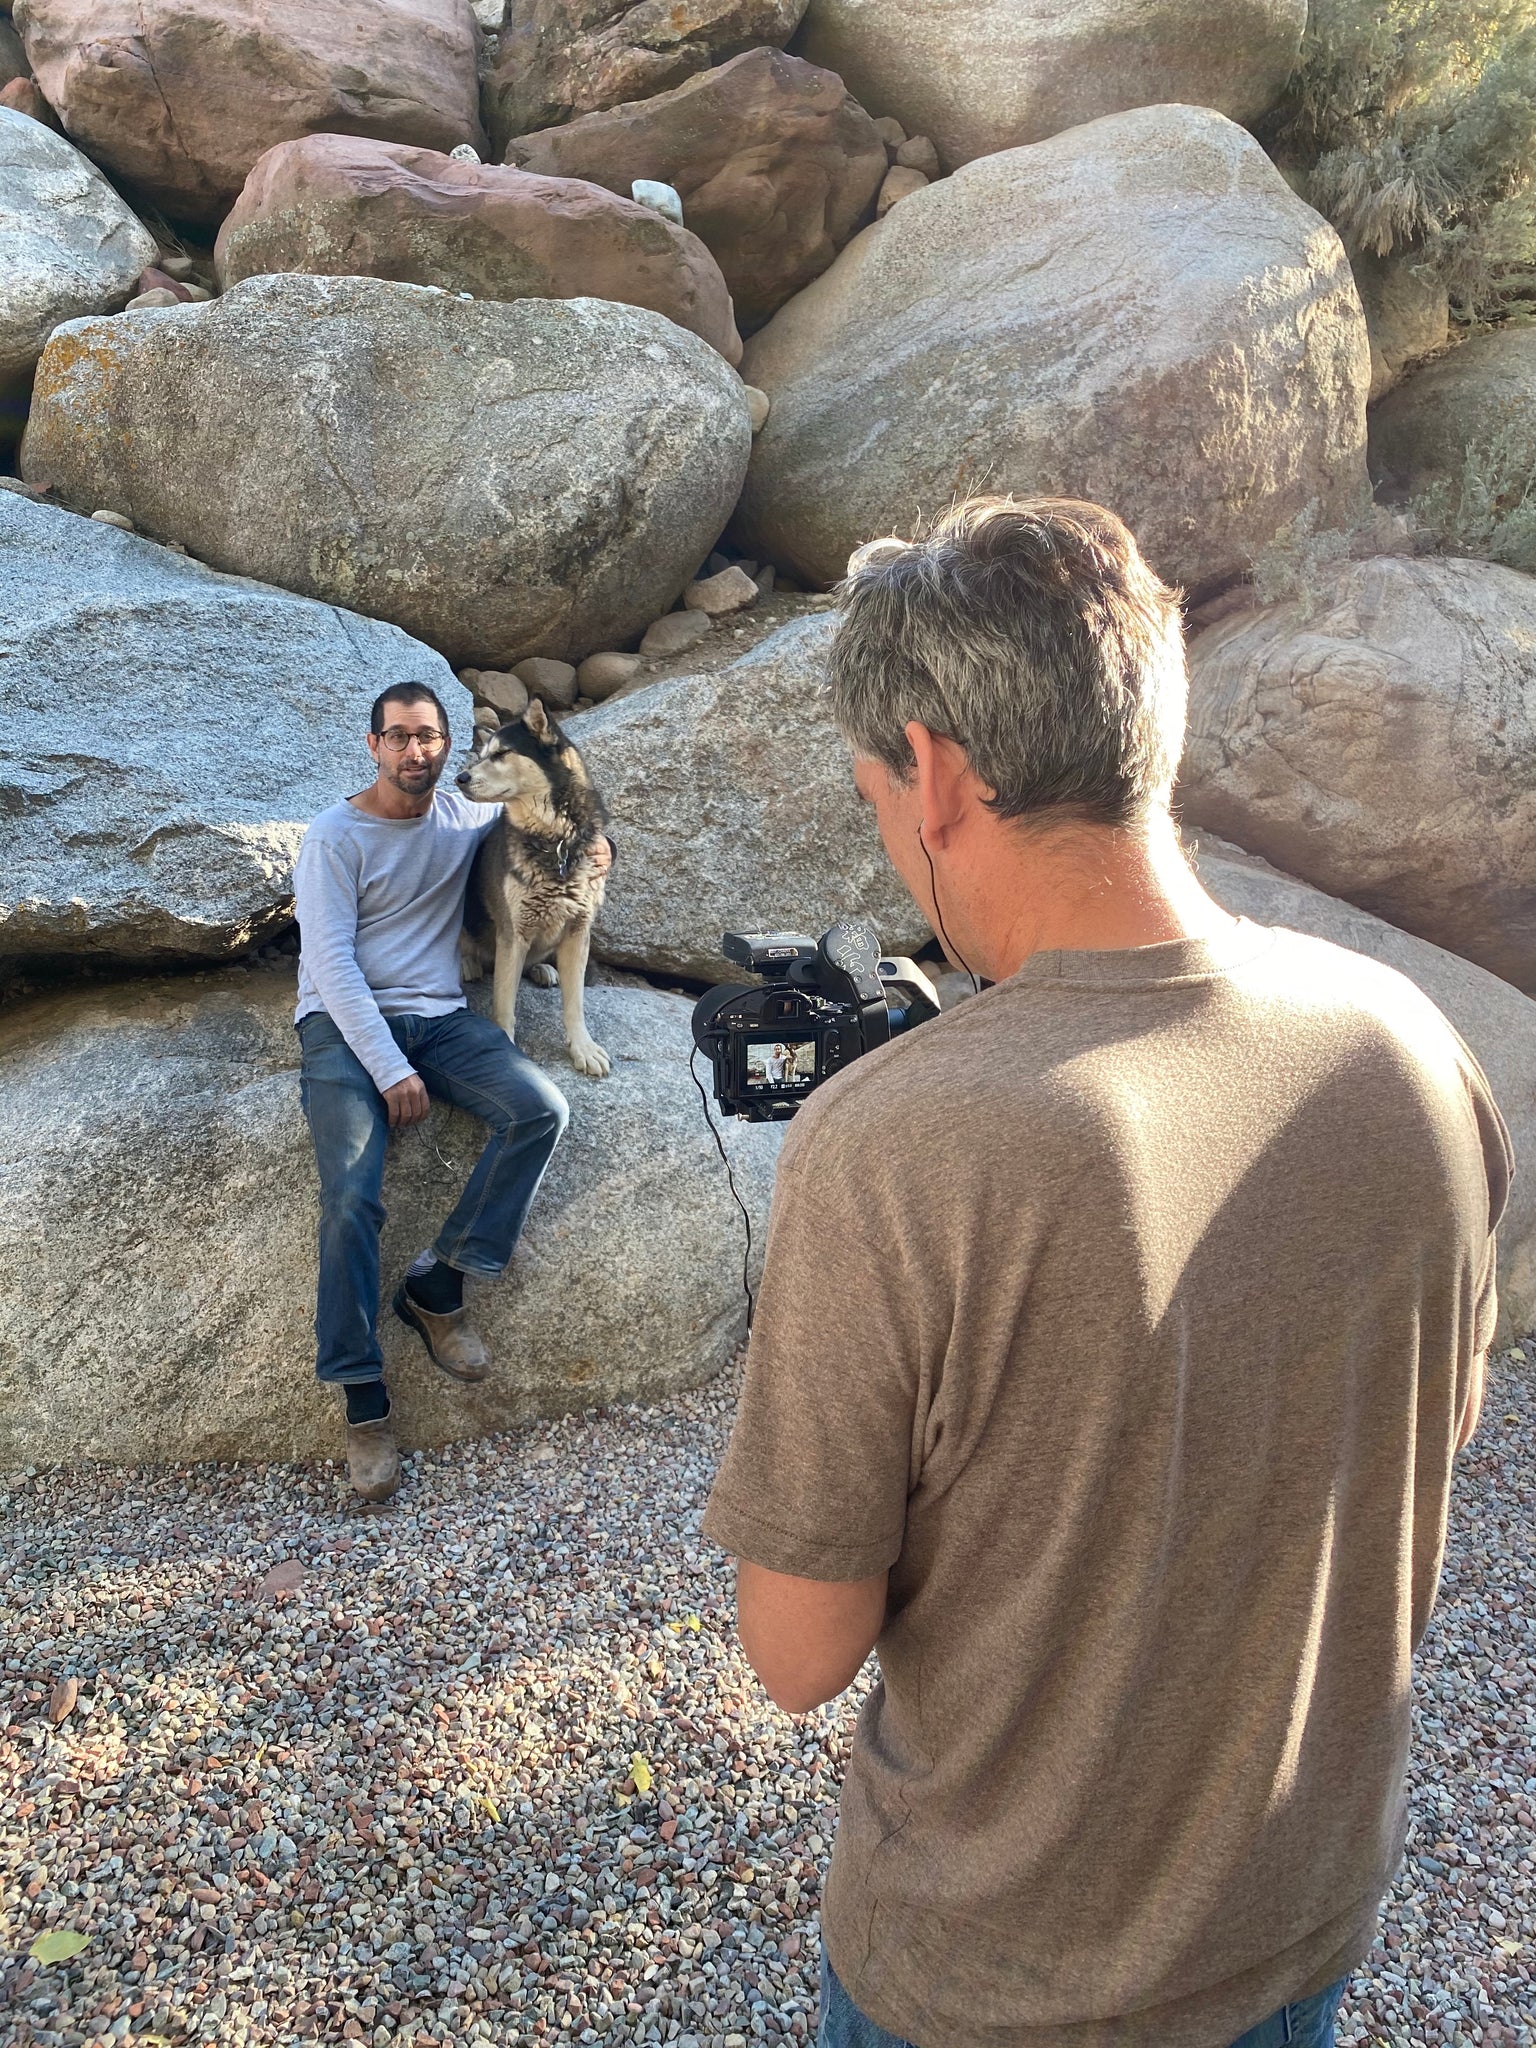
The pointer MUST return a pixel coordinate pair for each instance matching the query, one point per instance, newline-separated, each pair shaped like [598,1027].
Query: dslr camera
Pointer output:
[817,1005]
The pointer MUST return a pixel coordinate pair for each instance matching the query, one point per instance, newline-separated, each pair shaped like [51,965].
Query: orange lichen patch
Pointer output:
[84,346]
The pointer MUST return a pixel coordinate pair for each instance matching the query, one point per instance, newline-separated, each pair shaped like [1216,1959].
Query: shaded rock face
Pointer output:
[180,97]
[558,58]
[1407,316]
[1165,329]
[996,73]
[1480,399]
[70,246]
[1497,1022]
[1383,748]
[733,807]
[501,480]
[777,166]
[150,1117]
[345,206]
[167,735]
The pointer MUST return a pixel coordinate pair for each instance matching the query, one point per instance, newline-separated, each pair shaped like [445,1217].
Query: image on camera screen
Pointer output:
[774,1063]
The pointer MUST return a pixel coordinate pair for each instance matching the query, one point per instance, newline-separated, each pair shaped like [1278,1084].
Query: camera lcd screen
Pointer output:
[776,1064]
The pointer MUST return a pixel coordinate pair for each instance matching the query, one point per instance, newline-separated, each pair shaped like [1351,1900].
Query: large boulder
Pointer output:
[1139,312]
[557,58]
[157,1198]
[1467,418]
[180,97]
[1497,1022]
[346,206]
[168,735]
[1379,740]
[734,809]
[995,73]
[1407,315]
[775,162]
[502,480]
[71,247]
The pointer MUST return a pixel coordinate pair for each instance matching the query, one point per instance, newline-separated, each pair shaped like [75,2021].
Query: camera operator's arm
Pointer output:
[812,1495]
[805,1638]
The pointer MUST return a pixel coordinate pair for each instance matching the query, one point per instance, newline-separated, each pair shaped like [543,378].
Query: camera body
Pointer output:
[818,1005]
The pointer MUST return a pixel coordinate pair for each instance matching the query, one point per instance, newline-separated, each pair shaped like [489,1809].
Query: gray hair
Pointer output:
[1032,632]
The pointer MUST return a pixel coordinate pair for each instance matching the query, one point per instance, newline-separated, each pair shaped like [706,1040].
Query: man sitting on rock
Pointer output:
[383,1025]
[1123,1429]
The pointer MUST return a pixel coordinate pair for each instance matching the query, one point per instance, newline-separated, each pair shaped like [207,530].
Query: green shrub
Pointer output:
[1412,126]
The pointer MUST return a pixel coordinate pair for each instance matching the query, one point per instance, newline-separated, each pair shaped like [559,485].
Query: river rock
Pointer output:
[160,1120]
[1477,402]
[1379,741]
[180,97]
[995,73]
[1164,327]
[540,477]
[557,58]
[776,163]
[71,246]
[733,804]
[1497,1022]
[167,735]
[345,205]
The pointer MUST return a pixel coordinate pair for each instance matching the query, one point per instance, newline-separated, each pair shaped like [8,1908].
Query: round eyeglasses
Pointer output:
[429,739]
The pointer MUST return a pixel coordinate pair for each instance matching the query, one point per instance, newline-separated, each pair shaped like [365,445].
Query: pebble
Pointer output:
[890,131]
[919,154]
[390,1798]
[900,183]
[731,590]
[119,519]
[601,674]
[759,405]
[464,153]
[177,266]
[663,199]
[507,694]
[553,682]
[159,295]
[674,633]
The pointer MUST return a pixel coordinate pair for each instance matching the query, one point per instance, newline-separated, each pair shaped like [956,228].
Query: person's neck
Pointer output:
[384,800]
[1073,888]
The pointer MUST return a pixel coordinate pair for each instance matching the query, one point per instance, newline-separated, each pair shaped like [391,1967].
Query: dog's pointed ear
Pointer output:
[536,718]
[484,733]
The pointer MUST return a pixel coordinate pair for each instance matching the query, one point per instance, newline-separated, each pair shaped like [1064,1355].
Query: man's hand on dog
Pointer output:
[408,1101]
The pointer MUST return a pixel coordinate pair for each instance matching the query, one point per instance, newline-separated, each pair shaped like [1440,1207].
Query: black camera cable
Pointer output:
[948,943]
[746,1259]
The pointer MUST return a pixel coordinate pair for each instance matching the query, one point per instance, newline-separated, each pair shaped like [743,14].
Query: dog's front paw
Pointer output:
[588,1057]
[540,974]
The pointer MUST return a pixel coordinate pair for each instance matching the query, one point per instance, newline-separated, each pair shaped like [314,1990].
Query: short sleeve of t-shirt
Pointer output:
[815,1480]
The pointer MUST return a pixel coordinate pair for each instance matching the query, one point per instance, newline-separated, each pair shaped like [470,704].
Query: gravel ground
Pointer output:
[485,1764]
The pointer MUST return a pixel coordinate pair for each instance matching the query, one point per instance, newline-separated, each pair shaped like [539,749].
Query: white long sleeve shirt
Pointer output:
[380,904]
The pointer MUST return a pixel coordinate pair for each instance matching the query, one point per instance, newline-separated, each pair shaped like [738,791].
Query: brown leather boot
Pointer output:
[373,1463]
[452,1341]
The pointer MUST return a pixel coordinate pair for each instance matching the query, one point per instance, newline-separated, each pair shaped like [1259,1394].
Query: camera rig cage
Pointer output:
[819,1005]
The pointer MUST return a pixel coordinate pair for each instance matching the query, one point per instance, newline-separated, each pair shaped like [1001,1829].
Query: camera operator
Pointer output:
[1116,1335]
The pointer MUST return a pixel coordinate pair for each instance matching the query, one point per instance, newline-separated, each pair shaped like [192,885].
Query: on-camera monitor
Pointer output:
[774,1064]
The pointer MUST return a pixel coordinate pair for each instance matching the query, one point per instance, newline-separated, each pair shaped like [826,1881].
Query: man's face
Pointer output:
[898,813]
[412,750]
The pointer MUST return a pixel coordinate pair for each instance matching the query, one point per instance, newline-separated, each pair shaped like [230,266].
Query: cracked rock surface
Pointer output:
[501,480]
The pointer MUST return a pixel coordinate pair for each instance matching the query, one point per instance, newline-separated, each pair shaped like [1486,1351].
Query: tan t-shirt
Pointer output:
[1128,1314]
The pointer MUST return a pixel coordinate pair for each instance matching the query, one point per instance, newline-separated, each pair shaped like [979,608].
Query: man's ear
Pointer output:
[536,718]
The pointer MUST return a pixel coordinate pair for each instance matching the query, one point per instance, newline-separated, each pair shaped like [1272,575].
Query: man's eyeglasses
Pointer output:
[429,739]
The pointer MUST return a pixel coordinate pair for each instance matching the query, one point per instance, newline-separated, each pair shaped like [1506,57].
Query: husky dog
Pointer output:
[538,878]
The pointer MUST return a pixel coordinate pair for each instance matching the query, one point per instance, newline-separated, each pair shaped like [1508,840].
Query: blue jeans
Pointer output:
[465,1060]
[1307,2025]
